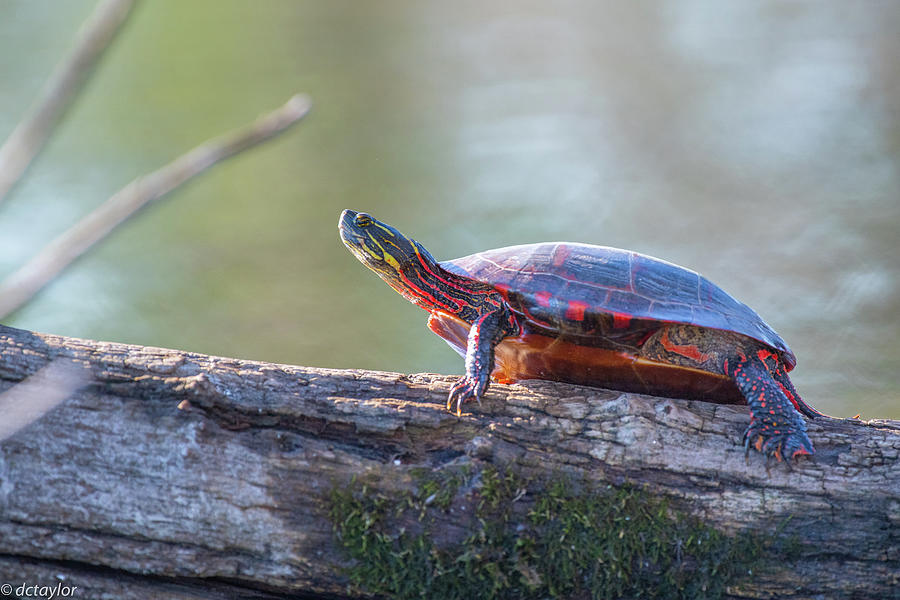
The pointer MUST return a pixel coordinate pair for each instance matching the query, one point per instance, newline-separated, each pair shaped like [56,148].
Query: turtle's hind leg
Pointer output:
[775,427]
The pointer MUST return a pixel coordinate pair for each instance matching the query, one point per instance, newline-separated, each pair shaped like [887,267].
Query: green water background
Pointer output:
[755,142]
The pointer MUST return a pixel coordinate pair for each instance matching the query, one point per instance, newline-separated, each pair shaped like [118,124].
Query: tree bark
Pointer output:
[136,472]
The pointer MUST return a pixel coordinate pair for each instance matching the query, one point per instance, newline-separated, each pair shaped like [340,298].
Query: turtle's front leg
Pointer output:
[485,333]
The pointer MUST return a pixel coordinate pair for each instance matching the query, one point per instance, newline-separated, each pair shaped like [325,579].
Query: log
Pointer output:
[136,472]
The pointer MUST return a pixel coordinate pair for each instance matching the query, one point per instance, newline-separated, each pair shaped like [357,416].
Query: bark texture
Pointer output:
[157,473]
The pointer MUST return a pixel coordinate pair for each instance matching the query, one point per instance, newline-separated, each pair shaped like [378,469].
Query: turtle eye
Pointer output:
[363,220]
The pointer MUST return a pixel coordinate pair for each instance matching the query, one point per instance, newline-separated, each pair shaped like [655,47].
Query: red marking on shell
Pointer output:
[543,299]
[575,310]
[620,320]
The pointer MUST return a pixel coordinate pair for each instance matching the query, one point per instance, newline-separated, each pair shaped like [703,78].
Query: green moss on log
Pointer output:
[560,539]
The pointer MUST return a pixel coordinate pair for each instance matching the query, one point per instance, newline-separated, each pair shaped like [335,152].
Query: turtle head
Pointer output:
[397,259]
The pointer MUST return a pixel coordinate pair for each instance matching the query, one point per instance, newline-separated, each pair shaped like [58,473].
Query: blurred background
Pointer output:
[755,142]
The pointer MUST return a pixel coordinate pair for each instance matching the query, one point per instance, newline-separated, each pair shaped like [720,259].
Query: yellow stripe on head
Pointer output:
[389,231]
[385,255]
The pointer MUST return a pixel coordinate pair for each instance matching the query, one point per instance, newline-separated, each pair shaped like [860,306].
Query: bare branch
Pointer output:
[20,286]
[29,136]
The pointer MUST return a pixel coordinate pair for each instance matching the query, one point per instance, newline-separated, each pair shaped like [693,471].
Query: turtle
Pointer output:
[594,315]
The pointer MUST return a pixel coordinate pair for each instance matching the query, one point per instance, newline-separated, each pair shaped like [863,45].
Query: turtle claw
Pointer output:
[465,389]
[797,445]
[787,445]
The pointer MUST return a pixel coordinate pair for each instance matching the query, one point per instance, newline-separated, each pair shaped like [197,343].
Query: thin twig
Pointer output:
[30,135]
[20,286]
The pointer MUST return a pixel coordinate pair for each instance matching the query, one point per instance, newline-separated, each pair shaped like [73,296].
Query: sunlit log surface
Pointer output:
[143,472]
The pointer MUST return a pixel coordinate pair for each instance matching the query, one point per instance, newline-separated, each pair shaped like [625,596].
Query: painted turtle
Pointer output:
[594,315]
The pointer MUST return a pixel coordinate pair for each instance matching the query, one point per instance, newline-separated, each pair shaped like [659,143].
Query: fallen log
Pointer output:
[136,472]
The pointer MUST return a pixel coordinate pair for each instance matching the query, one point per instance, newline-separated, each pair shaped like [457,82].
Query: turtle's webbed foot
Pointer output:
[465,389]
[783,441]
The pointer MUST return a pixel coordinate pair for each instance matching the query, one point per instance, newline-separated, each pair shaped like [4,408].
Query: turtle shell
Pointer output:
[607,297]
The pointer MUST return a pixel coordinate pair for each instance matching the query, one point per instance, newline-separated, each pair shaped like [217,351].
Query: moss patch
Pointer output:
[560,539]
